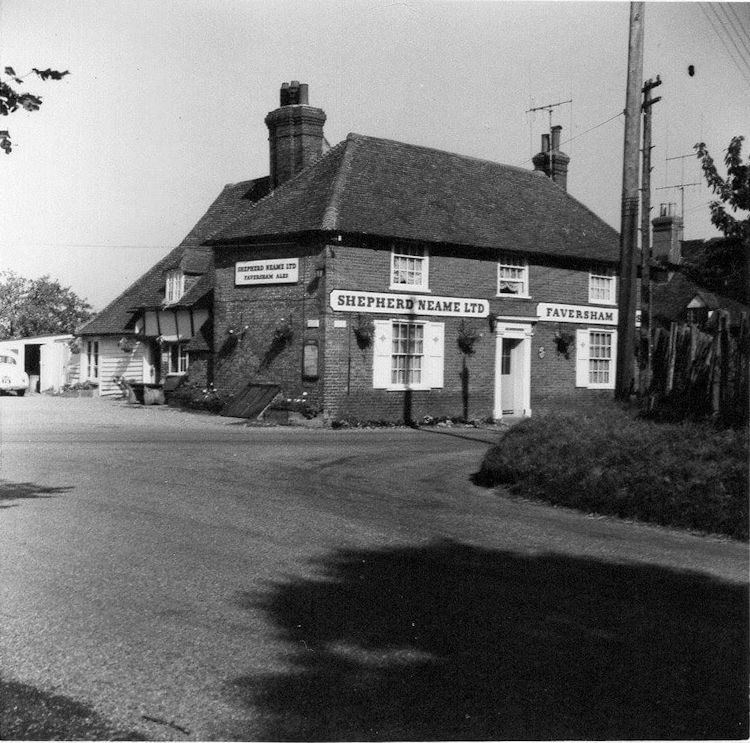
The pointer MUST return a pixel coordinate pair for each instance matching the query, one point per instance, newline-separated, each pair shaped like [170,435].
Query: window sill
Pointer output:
[409,289]
[513,296]
[404,387]
[601,302]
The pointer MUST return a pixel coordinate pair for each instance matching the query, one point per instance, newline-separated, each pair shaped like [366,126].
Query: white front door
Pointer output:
[513,369]
[510,372]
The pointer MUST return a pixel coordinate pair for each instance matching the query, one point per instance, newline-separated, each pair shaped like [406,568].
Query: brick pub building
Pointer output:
[377,265]
[384,281]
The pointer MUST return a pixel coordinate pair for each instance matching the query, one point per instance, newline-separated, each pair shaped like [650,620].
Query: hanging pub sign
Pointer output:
[272,271]
[576,313]
[405,304]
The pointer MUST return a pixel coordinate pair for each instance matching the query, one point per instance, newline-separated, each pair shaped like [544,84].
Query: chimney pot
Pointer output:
[550,161]
[556,137]
[295,133]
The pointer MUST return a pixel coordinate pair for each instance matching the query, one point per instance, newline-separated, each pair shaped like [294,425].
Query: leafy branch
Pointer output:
[733,191]
[12,99]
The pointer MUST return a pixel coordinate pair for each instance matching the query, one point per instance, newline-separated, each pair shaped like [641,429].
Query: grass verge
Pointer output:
[608,461]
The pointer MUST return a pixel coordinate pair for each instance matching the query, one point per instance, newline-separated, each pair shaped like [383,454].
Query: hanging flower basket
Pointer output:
[283,333]
[364,330]
[564,340]
[230,342]
[467,338]
[127,345]
[74,346]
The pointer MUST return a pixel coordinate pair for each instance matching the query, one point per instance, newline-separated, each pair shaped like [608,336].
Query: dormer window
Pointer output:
[409,268]
[175,287]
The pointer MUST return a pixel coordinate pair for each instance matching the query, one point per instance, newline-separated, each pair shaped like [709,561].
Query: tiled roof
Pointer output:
[191,255]
[379,187]
[670,299]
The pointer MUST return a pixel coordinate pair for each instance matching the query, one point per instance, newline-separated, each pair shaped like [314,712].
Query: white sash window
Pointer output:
[408,355]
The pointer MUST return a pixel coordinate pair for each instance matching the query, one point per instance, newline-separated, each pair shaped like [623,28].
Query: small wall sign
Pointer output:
[272,271]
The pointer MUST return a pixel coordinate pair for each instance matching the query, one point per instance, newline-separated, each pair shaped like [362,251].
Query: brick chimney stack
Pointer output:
[666,236]
[551,160]
[295,133]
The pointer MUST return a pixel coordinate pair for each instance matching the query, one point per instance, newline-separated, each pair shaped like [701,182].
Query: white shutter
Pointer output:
[434,353]
[582,358]
[613,363]
[381,354]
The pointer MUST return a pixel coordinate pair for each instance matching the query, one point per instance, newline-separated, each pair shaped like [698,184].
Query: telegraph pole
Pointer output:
[644,378]
[629,209]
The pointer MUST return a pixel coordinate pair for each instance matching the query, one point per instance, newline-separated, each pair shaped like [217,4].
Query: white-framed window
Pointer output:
[602,286]
[512,276]
[92,359]
[178,358]
[408,354]
[596,354]
[409,267]
[175,286]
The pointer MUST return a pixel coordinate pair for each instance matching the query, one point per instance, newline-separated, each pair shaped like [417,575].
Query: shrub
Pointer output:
[197,397]
[610,462]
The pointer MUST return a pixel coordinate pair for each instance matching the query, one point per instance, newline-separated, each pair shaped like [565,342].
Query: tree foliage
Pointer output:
[723,264]
[30,307]
[11,99]
[733,191]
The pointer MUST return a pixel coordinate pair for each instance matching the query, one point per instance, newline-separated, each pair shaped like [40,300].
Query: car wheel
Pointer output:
[20,393]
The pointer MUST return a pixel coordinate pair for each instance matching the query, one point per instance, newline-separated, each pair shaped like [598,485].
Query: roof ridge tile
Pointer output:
[331,214]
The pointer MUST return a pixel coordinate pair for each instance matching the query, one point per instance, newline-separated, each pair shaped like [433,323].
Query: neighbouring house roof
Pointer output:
[671,299]
[194,258]
[378,187]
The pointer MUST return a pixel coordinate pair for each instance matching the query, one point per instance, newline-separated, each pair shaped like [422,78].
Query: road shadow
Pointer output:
[27,713]
[453,642]
[12,491]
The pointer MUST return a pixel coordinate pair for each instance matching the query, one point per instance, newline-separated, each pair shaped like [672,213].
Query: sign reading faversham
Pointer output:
[577,313]
[274,271]
[401,304]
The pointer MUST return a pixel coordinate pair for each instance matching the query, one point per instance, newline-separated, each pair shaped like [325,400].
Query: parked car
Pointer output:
[12,378]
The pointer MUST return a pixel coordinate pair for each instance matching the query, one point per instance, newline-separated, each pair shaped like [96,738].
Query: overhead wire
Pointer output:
[744,71]
[577,136]
[729,8]
[728,25]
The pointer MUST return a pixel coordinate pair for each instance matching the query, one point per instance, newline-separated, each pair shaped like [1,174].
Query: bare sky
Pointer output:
[166,99]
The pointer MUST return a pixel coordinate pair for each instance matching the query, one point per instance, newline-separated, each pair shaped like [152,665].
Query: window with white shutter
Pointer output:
[408,355]
[596,353]
[381,355]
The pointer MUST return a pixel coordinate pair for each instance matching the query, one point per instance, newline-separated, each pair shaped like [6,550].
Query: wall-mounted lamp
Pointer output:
[320,271]
[492,322]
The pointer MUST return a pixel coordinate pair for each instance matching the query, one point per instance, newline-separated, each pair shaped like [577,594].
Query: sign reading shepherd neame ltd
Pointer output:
[274,271]
[405,304]
[577,313]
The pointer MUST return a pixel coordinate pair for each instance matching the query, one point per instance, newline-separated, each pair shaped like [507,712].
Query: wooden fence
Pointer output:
[701,372]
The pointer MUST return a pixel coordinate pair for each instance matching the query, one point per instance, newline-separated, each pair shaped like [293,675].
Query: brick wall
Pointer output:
[254,312]
[345,385]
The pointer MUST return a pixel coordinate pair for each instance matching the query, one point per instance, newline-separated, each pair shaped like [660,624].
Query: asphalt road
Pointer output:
[189,577]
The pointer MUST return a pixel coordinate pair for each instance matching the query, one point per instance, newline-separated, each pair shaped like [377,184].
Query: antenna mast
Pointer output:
[549,107]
